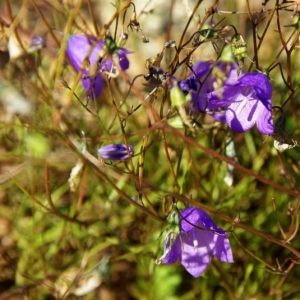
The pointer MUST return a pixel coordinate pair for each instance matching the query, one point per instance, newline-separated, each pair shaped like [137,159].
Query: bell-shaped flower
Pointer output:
[116,152]
[194,241]
[89,54]
[246,102]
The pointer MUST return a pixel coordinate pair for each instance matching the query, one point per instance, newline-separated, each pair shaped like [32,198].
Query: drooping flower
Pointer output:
[246,102]
[193,239]
[90,54]
[116,152]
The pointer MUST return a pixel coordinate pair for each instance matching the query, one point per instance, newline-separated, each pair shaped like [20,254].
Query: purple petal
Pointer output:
[263,90]
[106,65]
[202,68]
[222,249]
[192,216]
[264,122]
[242,114]
[174,254]
[241,119]
[195,258]
[199,97]
[187,85]
[219,117]
[225,96]
[123,60]
[78,48]
[93,85]
[260,83]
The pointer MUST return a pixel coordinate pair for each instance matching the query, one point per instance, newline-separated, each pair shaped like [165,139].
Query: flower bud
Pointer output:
[116,152]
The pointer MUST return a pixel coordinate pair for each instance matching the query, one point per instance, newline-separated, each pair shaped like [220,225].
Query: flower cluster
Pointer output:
[94,56]
[218,88]
[230,96]
[193,238]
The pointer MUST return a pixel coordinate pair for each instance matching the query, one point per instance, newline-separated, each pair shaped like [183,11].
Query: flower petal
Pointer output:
[187,85]
[93,85]
[123,60]
[195,258]
[79,46]
[192,216]
[225,96]
[219,117]
[264,121]
[107,65]
[222,249]
[259,82]
[244,119]
[199,97]
[174,254]
[201,68]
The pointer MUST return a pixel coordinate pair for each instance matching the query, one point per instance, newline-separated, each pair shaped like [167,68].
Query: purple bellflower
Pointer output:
[193,238]
[115,152]
[206,77]
[90,54]
[246,102]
